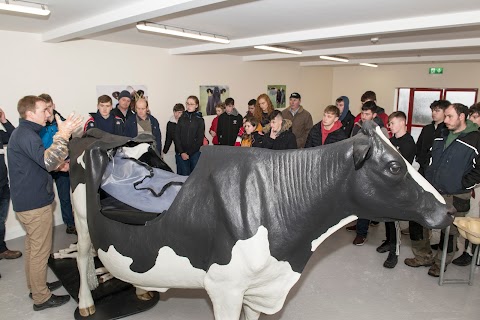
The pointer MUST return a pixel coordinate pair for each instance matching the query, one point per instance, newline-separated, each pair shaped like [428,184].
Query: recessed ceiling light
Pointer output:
[180,32]
[369,65]
[333,58]
[41,10]
[279,49]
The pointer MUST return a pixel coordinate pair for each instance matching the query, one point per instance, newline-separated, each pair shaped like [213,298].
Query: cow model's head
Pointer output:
[380,172]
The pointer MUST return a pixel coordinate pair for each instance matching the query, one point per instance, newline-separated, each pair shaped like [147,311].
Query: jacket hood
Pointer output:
[470,127]
[286,125]
[234,112]
[346,108]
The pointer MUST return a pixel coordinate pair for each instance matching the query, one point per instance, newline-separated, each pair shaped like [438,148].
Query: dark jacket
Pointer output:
[227,127]
[314,138]
[189,133]
[285,138]
[4,137]
[31,186]
[265,119]
[347,123]
[112,124]
[455,169]
[346,117]
[116,112]
[131,130]
[170,135]
[405,145]
[425,142]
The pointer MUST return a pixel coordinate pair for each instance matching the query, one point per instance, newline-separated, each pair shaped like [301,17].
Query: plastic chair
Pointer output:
[469,228]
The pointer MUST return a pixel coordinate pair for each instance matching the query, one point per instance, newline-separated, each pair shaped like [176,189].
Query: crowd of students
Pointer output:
[446,150]
[292,128]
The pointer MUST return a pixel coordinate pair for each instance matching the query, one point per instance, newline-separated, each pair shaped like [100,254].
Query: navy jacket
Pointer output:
[4,137]
[116,112]
[131,130]
[30,183]
[455,170]
[112,124]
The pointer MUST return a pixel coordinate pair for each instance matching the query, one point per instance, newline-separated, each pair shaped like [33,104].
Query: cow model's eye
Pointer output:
[394,167]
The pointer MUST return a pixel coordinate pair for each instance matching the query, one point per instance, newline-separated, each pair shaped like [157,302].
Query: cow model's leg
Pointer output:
[227,301]
[249,313]
[143,294]
[86,267]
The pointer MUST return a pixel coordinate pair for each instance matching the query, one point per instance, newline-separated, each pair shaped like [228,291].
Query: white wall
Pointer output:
[70,72]
[354,81]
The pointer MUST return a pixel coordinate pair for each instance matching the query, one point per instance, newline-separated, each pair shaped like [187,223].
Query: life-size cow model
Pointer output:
[247,220]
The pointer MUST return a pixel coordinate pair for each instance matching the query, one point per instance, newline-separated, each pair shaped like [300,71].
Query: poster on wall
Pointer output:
[276,93]
[210,96]
[136,92]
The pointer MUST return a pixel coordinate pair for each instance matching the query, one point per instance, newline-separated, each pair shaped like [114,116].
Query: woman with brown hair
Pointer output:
[263,109]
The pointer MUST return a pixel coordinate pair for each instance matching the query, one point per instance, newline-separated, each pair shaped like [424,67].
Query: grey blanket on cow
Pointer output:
[139,185]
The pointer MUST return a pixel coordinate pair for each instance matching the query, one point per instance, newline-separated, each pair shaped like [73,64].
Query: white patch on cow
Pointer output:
[137,151]
[80,160]
[169,271]
[414,173]
[331,230]
[253,277]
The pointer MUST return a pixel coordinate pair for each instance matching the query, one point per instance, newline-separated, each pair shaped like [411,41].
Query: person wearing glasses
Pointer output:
[189,136]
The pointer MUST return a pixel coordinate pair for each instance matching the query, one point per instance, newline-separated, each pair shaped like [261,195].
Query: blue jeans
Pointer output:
[4,203]
[362,227]
[185,167]
[62,180]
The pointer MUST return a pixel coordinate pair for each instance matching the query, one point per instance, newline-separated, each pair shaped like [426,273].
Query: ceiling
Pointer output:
[409,31]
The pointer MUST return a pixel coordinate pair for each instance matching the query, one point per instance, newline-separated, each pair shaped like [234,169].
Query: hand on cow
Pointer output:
[185,156]
[65,128]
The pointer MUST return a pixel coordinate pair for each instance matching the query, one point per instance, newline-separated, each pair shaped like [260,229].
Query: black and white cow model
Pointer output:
[247,220]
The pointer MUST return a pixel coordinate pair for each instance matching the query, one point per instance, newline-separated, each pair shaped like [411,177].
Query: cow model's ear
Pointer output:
[361,152]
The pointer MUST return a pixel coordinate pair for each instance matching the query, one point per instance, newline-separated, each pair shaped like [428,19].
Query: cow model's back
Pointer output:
[247,220]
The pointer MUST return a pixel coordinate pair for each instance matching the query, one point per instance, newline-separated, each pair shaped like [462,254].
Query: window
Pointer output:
[415,102]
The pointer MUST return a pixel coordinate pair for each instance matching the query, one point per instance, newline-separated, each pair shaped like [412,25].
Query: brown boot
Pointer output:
[10,254]
[434,270]
[415,263]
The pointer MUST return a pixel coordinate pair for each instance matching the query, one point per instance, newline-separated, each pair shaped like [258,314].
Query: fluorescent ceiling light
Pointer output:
[279,49]
[369,65]
[159,28]
[339,59]
[42,10]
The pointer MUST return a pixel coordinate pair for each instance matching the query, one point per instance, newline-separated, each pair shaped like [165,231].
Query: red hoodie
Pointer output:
[213,127]
[337,125]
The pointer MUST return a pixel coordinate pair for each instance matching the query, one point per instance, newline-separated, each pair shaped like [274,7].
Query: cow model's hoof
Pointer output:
[85,312]
[146,296]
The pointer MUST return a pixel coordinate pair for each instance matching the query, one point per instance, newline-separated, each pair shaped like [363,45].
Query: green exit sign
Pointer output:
[435,70]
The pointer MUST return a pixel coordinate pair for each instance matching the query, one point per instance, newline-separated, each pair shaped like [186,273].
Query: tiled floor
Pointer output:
[341,281]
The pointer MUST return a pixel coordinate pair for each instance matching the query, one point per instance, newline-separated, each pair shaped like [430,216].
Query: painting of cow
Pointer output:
[247,220]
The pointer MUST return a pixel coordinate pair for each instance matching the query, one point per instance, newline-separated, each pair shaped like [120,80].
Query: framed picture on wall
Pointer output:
[276,93]
[136,92]
[210,96]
